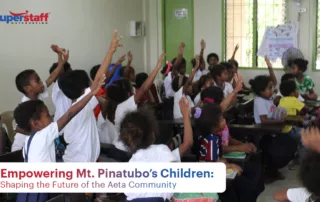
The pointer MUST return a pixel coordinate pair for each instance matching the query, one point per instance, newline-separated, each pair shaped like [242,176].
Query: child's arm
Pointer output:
[281,196]
[190,78]
[110,73]
[234,52]
[107,60]
[179,58]
[271,72]
[237,146]
[129,54]
[63,57]
[188,135]
[231,97]
[265,120]
[147,84]
[203,46]
[75,109]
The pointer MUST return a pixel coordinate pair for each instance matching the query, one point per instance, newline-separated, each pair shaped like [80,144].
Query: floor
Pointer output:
[291,181]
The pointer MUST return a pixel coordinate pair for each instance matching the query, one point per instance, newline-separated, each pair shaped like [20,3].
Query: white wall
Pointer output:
[85,27]
[208,19]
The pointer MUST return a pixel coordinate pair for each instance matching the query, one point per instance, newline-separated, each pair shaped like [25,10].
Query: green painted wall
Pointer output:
[178,30]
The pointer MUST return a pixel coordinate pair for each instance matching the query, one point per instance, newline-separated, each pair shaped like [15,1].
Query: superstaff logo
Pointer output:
[25,18]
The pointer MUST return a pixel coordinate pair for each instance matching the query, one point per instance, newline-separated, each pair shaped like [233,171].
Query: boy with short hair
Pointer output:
[81,133]
[29,83]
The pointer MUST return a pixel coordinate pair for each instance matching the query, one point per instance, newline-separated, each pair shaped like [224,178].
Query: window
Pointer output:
[317,45]
[245,22]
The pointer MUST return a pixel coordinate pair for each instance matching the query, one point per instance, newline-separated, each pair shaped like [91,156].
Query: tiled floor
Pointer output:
[291,181]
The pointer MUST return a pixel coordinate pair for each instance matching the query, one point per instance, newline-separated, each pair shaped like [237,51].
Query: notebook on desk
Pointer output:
[235,155]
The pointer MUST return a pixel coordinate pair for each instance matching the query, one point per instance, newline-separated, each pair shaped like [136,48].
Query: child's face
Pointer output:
[295,70]
[268,92]
[44,121]
[230,74]
[224,76]
[189,90]
[183,69]
[213,61]
[202,66]
[208,84]
[35,85]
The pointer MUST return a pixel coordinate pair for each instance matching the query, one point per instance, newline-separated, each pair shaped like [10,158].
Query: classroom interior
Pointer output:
[150,27]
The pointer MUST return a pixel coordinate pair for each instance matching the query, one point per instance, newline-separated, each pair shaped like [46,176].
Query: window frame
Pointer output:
[315,37]
[255,36]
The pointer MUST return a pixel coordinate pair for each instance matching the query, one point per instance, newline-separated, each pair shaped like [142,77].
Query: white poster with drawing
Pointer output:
[277,40]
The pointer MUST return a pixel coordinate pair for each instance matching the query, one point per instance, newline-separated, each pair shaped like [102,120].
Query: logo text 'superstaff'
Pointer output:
[25,17]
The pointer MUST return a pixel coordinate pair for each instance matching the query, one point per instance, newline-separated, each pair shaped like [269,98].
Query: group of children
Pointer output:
[113,109]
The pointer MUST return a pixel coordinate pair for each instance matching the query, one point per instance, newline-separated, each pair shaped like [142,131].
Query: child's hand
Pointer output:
[311,138]
[184,107]
[236,168]
[161,58]
[236,48]
[239,82]
[247,148]
[115,42]
[121,59]
[203,44]
[197,58]
[129,54]
[253,147]
[267,61]
[181,48]
[65,56]
[55,48]
[101,82]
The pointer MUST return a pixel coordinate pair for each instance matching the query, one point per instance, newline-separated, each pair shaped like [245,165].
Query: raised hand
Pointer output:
[203,44]
[197,58]
[184,107]
[65,55]
[121,59]
[236,48]
[267,61]
[161,58]
[239,82]
[311,138]
[181,48]
[115,41]
[55,48]
[96,88]
[129,54]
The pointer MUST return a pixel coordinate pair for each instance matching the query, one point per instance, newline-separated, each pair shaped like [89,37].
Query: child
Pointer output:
[121,100]
[109,76]
[263,112]
[29,83]
[221,77]
[128,71]
[183,86]
[205,81]
[286,77]
[60,101]
[147,98]
[230,72]
[179,63]
[202,69]
[304,82]
[81,133]
[209,123]
[212,60]
[138,133]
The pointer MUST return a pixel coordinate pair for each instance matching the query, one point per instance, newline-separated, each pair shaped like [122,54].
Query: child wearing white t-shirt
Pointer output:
[183,86]
[33,117]
[29,83]
[138,133]
[122,100]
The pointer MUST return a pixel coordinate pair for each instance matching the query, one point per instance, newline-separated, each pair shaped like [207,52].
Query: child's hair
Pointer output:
[117,92]
[233,62]
[183,61]
[66,67]
[227,65]
[217,71]
[94,71]
[27,111]
[74,83]
[140,79]
[212,55]
[309,172]
[212,93]
[23,79]
[125,71]
[137,130]
[209,119]
[202,81]
[302,64]
[259,84]
[164,69]
[288,87]
[178,82]
[287,77]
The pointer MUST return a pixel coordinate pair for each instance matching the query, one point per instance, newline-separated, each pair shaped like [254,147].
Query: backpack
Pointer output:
[31,197]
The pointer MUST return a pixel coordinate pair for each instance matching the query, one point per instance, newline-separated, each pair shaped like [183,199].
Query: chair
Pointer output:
[7,119]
